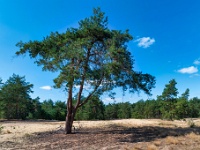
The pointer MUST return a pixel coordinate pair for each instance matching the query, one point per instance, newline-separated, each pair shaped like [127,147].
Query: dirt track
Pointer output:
[117,134]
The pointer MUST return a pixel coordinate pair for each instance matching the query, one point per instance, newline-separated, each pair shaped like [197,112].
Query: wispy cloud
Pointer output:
[145,42]
[195,75]
[47,87]
[197,62]
[189,70]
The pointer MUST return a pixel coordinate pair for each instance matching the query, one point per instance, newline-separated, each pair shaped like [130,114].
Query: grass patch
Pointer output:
[152,147]
[193,136]
[157,143]
[171,140]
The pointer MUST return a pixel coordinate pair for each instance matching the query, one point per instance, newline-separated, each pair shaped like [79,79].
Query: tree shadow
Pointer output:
[141,134]
[148,133]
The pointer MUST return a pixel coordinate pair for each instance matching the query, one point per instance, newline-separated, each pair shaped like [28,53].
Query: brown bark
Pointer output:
[69,120]
[68,123]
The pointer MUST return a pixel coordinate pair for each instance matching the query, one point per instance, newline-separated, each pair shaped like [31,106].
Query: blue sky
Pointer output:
[166,39]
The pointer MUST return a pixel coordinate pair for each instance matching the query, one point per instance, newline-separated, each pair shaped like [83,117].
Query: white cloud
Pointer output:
[47,87]
[145,42]
[197,62]
[189,70]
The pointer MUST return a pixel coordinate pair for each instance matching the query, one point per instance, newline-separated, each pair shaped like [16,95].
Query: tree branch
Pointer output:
[90,95]
[83,79]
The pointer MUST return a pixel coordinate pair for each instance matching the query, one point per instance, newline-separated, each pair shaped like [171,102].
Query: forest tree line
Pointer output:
[16,103]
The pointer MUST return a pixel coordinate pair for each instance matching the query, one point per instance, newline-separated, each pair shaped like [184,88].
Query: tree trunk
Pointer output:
[69,120]
[69,123]
[70,113]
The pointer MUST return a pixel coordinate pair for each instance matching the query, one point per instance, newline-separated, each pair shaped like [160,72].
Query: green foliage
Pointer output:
[60,110]
[118,111]
[1,101]
[194,107]
[16,102]
[47,107]
[111,111]
[167,105]
[169,96]
[181,108]
[93,110]
[124,110]
[170,91]
[91,54]
[138,110]
[14,97]
[35,110]
[53,111]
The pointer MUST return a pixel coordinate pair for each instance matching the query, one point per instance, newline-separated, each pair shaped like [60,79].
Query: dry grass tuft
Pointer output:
[191,123]
[152,147]
[171,140]
[157,143]
[7,132]
[137,147]
[193,136]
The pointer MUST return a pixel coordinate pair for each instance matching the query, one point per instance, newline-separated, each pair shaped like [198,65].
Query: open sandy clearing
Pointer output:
[114,134]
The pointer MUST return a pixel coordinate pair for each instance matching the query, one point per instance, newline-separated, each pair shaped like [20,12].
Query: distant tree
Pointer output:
[93,110]
[124,110]
[169,96]
[111,111]
[170,91]
[186,94]
[182,108]
[60,110]
[35,109]
[151,109]
[138,110]
[194,107]
[1,102]
[14,97]
[1,82]
[53,110]
[48,109]
[90,55]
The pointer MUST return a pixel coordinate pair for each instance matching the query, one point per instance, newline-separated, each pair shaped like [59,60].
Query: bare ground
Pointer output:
[127,134]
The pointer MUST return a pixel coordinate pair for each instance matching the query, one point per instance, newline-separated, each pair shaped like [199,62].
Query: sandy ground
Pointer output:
[113,134]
